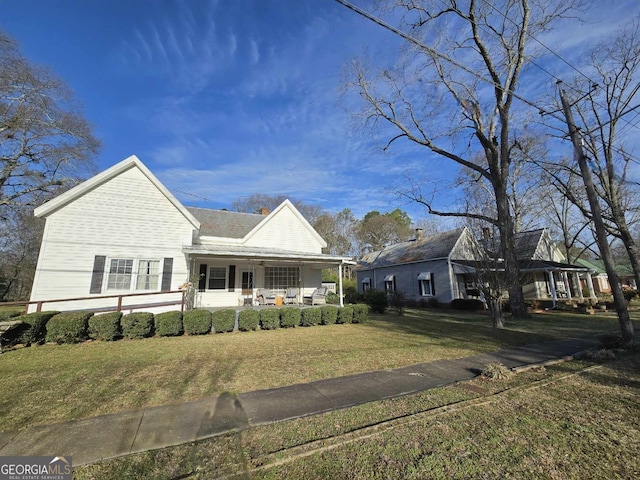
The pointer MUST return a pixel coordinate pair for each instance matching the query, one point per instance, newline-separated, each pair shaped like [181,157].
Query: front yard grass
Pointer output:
[51,383]
[573,420]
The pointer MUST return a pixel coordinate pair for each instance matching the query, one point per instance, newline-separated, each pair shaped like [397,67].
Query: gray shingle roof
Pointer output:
[527,243]
[429,247]
[221,223]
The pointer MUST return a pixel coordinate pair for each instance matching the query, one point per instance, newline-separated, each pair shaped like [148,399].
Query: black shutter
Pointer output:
[167,270]
[97,274]
[202,283]
[433,285]
[232,278]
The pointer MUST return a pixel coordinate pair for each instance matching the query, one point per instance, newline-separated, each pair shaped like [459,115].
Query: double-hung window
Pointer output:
[425,282]
[148,274]
[217,278]
[120,274]
[281,278]
[389,284]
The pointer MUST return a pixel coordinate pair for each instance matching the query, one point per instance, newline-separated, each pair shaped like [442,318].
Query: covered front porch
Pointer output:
[225,276]
[556,281]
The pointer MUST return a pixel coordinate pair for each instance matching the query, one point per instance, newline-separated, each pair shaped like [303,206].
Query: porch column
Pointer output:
[552,287]
[576,279]
[567,285]
[340,285]
[592,292]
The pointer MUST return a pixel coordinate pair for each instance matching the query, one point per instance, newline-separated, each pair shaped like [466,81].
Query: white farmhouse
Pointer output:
[122,239]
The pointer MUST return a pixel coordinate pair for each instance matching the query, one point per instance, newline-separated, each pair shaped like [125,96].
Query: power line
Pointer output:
[457,64]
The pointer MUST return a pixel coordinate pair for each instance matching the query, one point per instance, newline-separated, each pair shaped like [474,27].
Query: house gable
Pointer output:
[285,229]
[122,213]
[94,182]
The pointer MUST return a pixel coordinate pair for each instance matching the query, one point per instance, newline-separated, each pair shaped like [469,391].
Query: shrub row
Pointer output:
[73,327]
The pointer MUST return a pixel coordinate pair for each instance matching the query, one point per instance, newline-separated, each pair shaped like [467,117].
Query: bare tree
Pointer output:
[45,143]
[258,201]
[452,92]
[602,113]
[19,247]
[338,231]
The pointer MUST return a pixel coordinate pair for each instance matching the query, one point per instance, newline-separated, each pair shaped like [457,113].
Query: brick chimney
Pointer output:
[264,211]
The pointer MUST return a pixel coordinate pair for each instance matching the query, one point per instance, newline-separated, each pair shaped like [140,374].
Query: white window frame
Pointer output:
[280,278]
[149,276]
[118,271]
[134,275]
[425,284]
[390,284]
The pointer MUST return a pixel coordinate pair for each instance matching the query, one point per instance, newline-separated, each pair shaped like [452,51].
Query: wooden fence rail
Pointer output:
[117,308]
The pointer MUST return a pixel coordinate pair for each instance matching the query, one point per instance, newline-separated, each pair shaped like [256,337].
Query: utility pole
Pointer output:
[626,327]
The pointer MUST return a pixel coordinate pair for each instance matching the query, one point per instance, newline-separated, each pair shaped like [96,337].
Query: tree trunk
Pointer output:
[495,312]
[626,327]
[507,239]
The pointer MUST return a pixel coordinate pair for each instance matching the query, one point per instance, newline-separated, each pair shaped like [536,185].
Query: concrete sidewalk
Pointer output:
[92,439]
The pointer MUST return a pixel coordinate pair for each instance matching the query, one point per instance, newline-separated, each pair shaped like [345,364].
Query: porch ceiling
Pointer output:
[256,254]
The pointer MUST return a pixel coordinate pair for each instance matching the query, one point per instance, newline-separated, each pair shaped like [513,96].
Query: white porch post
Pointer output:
[576,279]
[340,285]
[552,287]
[592,292]
[567,285]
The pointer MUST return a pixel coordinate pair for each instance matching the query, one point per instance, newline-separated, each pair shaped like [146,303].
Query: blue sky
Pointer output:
[223,99]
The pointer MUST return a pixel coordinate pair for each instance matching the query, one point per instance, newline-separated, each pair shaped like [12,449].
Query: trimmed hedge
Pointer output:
[137,325]
[360,313]
[328,314]
[197,322]
[269,319]
[289,317]
[70,327]
[169,324]
[248,320]
[345,314]
[105,327]
[310,317]
[33,329]
[470,304]
[223,320]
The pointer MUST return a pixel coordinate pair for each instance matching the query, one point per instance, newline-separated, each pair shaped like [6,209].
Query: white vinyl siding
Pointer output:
[126,217]
[285,232]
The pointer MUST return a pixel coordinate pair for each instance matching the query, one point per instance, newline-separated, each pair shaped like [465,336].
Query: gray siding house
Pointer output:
[421,268]
[442,267]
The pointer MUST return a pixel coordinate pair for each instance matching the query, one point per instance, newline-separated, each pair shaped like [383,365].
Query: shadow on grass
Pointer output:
[473,331]
[458,329]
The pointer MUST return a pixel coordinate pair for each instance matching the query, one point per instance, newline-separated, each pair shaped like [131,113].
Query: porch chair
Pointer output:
[265,297]
[291,296]
[317,297]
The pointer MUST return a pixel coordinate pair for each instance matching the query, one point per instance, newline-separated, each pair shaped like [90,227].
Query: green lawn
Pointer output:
[51,383]
[574,420]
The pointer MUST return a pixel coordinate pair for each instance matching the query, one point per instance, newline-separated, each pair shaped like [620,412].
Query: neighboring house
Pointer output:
[599,277]
[423,268]
[122,232]
[443,267]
